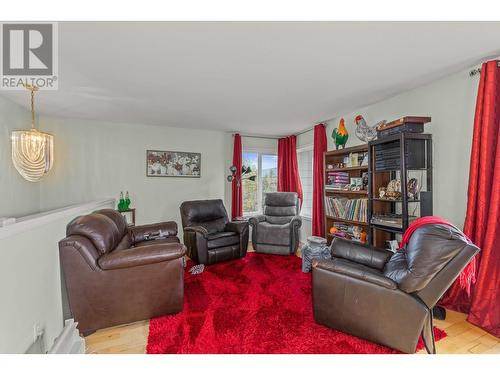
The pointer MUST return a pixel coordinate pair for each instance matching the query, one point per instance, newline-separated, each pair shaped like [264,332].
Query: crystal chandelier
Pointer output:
[32,150]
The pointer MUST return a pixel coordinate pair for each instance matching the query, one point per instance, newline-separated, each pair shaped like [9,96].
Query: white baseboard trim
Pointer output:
[69,341]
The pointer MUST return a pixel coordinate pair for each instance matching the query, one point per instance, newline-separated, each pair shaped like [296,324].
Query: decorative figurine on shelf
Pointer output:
[127,202]
[364,177]
[413,188]
[340,135]
[381,192]
[362,237]
[393,189]
[121,203]
[364,132]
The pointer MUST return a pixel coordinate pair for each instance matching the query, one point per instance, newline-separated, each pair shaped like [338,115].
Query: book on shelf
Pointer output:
[347,231]
[337,178]
[347,209]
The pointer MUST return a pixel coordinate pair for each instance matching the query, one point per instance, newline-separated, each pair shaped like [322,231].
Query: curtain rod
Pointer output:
[271,137]
[475,72]
[257,136]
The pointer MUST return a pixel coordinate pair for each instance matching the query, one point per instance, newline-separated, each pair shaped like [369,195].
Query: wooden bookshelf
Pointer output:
[334,158]
[417,163]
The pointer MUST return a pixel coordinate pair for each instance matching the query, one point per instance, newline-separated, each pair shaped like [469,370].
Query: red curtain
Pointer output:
[288,168]
[482,221]
[237,188]
[320,145]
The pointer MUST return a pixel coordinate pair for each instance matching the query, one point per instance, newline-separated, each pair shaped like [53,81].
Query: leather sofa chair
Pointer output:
[209,235]
[277,231]
[388,297]
[115,275]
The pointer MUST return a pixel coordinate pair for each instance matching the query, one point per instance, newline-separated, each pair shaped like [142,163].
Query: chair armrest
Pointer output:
[197,229]
[236,226]
[359,253]
[296,221]
[140,256]
[355,271]
[254,220]
[142,232]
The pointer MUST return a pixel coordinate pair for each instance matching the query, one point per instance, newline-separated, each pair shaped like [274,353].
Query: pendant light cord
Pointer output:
[32,89]
[32,108]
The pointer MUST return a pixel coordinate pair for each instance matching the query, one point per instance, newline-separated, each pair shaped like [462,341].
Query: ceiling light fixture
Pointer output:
[32,150]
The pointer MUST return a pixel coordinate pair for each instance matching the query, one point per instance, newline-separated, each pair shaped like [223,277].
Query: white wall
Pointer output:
[18,197]
[451,104]
[30,281]
[99,159]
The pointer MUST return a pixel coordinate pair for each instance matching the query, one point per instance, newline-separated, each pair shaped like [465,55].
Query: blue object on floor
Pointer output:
[315,248]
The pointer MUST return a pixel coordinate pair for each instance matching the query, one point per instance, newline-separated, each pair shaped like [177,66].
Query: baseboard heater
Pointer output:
[69,341]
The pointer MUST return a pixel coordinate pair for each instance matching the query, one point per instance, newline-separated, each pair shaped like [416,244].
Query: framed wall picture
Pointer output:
[173,164]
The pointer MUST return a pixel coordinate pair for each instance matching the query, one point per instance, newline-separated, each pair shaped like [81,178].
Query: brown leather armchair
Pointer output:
[115,275]
[209,235]
[388,297]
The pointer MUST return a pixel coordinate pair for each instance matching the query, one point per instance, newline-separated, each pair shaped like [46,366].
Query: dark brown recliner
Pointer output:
[209,235]
[115,275]
[388,298]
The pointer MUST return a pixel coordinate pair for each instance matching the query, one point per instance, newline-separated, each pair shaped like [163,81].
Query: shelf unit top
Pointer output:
[348,150]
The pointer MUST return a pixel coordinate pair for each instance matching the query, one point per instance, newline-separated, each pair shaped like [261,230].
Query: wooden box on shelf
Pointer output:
[341,166]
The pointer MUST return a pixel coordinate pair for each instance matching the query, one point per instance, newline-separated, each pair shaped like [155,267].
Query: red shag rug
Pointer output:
[259,304]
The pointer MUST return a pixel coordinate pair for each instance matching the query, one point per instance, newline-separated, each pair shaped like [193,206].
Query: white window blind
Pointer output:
[305,161]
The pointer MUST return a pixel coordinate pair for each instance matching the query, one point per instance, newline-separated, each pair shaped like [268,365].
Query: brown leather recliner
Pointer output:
[115,275]
[388,297]
[209,235]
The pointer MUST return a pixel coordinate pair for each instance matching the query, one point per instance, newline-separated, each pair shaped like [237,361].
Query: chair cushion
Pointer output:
[125,243]
[223,254]
[281,199]
[357,271]
[209,214]
[281,207]
[98,228]
[222,239]
[273,234]
[431,247]
[117,218]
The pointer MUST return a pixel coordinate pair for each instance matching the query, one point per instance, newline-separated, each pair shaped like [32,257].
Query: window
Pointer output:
[260,176]
[305,161]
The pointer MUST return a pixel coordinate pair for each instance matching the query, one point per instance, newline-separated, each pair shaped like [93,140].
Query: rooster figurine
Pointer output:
[340,135]
[363,131]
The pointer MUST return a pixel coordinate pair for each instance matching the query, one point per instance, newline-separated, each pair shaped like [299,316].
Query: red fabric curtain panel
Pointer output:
[320,146]
[482,221]
[237,188]
[288,167]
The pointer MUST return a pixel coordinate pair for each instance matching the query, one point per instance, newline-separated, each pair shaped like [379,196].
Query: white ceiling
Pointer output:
[255,77]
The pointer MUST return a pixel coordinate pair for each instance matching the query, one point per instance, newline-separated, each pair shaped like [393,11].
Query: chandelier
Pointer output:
[32,150]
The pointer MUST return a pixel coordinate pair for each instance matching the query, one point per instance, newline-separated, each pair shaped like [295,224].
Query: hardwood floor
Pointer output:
[463,338]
